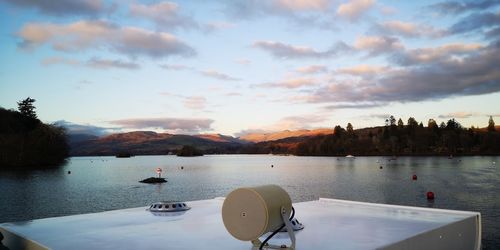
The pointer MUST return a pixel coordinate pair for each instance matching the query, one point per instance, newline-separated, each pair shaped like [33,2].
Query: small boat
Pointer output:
[349,156]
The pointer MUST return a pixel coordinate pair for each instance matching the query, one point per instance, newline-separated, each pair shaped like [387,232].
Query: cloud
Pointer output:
[362,70]
[297,122]
[74,128]
[493,34]
[281,50]
[472,74]
[312,69]
[407,29]
[287,123]
[376,45]
[353,105]
[164,14]
[289,83]
[176,67]
[460,115]
[445,52]
[66,7]
[106,64]
[195,102]
[284,8]
[243,61]
[475,22]
[233,94]
[218,75]
[85,35]
[375,116]
[458,7]
[354,9]
[95,63]
[214,26]
[185,125]
[60,60]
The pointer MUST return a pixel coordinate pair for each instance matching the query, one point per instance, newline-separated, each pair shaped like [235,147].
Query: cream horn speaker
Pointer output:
[250,212]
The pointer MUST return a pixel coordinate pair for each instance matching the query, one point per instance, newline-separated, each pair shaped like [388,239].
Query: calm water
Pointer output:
[106,183]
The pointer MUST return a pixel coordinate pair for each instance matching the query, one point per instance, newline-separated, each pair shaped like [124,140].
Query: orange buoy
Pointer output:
[430,195]
[414,177]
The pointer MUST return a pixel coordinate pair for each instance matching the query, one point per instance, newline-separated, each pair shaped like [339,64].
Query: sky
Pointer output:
[241,66]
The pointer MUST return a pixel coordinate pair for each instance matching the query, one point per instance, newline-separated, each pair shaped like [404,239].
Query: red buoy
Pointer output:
[414,177]
[430,195]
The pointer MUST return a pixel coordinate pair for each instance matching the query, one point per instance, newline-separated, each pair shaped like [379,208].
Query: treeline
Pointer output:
[26,142]
[395,138]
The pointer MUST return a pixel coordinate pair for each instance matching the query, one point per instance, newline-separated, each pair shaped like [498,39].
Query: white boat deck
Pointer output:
[329,224]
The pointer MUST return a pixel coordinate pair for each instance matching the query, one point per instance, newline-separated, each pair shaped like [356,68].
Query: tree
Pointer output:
[412,122]
[452,124]
[27,108]
[432,124]
[400,123]
[350,129]
[491,125]
[338,130]
[391,121]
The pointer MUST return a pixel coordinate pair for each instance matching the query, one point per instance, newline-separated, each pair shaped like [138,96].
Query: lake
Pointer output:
[106,183]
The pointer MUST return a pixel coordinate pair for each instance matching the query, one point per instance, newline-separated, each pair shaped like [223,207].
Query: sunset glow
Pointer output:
[234,67]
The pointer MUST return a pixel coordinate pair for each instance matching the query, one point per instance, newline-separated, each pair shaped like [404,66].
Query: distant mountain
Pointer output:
[76,138]
[221,138]
[148,142]
[263,137]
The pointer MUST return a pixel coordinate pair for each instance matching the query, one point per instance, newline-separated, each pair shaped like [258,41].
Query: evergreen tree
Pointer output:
[491,125]
[27,108]
[400,123]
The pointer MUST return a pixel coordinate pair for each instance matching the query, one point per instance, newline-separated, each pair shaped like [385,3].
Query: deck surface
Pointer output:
[329,224]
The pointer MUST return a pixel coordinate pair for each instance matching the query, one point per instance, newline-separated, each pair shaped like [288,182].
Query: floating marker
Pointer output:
[430,195]
[414,177]
[69,172]
[182,167]
[272,166]
[381,167]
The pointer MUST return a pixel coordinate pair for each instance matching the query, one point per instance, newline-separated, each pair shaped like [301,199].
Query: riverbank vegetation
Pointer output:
[396,138]
[26,142]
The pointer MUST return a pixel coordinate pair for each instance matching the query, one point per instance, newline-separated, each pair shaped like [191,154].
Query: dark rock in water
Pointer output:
[154,180]
[123,155]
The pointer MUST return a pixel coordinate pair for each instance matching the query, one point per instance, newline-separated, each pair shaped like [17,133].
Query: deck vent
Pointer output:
[168,206]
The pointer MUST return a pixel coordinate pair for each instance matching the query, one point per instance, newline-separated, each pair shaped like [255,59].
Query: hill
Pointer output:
[149,143]
[262,137]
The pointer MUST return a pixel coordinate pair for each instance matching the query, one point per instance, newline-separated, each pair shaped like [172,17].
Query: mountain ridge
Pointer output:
[150,142]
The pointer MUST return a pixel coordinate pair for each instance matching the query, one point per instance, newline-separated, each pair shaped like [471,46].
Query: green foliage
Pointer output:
[25,142]
[27,108]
